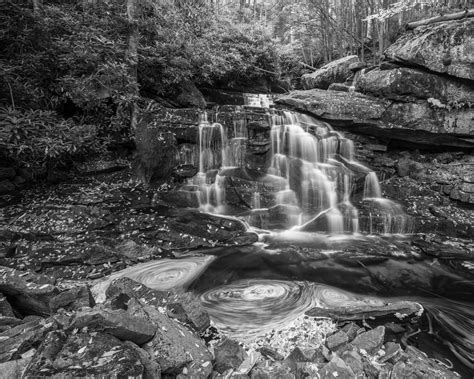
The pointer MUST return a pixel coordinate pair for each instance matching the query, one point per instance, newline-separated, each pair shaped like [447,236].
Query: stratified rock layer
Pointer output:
[447,48]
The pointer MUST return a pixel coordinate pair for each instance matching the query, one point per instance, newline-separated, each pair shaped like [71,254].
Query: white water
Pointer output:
[312,167]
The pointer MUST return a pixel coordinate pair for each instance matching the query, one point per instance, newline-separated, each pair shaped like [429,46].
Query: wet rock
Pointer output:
[334,72]
[273,354]
[6,309]
[336,368]
[370,341]
[187,308]
[116,322]
[417,364]
[174,347]
[21,338]
[223,230]
[87,355]
[442,47]
[182,198]
[228,355]
[184,171]
[392,352]
[72,299]
[28,292]
[336,340]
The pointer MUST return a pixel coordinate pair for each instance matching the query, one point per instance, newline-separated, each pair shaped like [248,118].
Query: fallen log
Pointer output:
[447,17]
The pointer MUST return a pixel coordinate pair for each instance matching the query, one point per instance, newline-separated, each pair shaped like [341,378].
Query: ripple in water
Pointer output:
[162,275]
[251,307]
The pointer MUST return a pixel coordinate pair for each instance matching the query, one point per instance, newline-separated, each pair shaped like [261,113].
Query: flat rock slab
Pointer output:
[359,312]
[115,322]
[370,341]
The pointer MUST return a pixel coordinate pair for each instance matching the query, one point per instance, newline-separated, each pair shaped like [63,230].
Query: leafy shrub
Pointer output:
[38,138]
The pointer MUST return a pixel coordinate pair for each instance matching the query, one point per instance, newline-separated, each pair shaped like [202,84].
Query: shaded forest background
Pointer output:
[75,74]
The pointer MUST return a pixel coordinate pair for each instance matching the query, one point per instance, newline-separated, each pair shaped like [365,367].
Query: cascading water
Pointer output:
[313,170]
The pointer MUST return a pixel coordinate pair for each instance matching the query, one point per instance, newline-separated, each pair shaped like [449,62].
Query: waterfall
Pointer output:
[311,168]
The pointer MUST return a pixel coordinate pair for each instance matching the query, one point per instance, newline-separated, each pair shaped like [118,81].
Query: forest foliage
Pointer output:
[68,83]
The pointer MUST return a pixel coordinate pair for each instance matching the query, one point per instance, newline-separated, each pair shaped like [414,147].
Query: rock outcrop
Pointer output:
[418,122]
[334,72]
[445,48]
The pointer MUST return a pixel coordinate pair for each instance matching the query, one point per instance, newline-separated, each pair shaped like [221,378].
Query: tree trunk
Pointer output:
[446,17]
[132,56]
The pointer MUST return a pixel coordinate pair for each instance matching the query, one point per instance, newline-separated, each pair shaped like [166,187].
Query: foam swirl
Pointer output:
[163,275]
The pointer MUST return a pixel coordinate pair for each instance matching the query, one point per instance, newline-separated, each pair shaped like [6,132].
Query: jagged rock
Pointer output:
[355,361]
[72,299]
[370,341]
[334,72]
[6,309]
[444,47]
[184,307]
[351,330]
[392,351]
[417,364]
[14,369]
[336,340]
[269,352]
[184,171]
[21,338]
[336,368]
[174,347]
[406,166]
[410,84]
[228,355]
[270,370]
[116,322]
[131,250]
[89,355]
[28,292]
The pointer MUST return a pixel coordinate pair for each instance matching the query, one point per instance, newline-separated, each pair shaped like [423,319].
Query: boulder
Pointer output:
[404,83]
[175,348]
[186,95]
[445,48]
[29,293]
[370,341]
[116,322]
[23,337]
[72,299]
[336,368]
[184,307]
[416,364]
[90,355]
[334,72]
[336,340]
[228,355]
